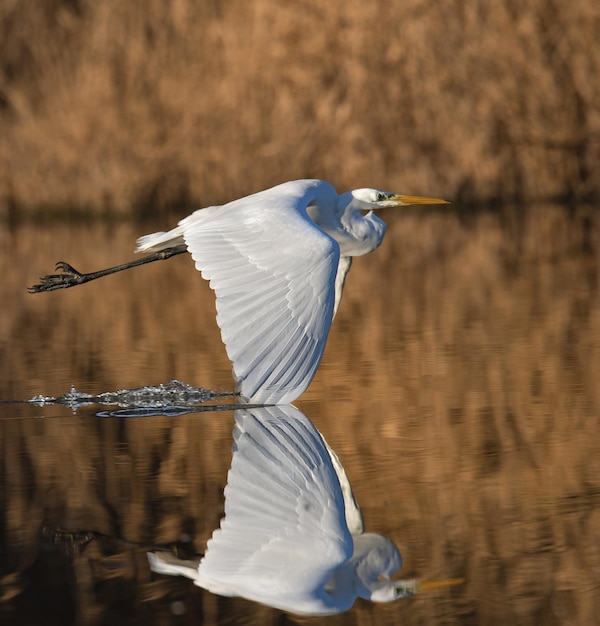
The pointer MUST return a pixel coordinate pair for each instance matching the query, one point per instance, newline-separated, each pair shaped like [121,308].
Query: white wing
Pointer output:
[273,271]
[284,531]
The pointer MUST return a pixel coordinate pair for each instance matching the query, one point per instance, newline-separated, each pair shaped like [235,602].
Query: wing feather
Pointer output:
[274,273]
[284,531]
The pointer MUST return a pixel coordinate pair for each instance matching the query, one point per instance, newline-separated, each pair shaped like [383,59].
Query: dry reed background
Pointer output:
[120,107]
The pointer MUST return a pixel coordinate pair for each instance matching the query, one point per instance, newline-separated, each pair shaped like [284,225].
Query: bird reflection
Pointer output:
[292,536]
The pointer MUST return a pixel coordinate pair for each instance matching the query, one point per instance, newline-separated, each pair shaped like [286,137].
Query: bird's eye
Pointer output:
[381,196]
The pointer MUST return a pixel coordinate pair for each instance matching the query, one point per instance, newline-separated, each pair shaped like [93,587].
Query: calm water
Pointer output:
[459,389]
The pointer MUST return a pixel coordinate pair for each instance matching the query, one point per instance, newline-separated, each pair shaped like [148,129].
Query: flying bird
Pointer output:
[293,536]
[277,261]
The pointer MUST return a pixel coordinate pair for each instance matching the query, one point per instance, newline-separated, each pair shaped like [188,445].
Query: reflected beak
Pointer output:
[405,200]
[426,585]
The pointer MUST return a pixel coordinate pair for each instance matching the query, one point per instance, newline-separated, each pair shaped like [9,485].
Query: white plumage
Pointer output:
[292,536]
[277,261]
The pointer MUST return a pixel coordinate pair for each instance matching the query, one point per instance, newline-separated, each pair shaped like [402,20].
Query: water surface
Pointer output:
[459,389]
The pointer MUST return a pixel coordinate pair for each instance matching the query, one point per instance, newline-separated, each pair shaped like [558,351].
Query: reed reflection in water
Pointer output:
[461,397]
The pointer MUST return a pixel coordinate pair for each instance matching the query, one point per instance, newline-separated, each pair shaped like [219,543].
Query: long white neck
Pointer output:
[374,557]
[356,234]
[366,231]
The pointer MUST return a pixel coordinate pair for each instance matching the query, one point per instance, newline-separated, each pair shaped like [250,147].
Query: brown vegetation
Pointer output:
[120,107]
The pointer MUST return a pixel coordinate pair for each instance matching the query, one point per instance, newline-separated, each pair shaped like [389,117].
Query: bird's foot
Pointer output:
[69,278]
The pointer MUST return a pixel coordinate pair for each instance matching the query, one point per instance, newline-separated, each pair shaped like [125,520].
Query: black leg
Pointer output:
[71,277]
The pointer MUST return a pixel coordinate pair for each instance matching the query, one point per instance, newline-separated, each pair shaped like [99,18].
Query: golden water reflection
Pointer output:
[459,389]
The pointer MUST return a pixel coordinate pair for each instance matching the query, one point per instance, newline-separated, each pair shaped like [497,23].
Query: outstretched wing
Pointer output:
[273,271]
[284,532]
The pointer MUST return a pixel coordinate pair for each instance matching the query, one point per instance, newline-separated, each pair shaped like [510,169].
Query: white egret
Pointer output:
[292,536]
[277,261]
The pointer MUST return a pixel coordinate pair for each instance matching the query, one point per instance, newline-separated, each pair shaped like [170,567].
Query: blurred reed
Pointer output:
[129,108]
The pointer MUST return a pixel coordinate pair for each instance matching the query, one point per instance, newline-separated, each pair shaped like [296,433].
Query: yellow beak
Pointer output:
[404,200]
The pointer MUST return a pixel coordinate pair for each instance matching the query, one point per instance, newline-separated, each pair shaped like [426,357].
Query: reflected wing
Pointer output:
[354,518]
[284,530]
[273,271]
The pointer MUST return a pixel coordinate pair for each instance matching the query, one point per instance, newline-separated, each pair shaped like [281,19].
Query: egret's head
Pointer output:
[391,590]
[377,558]
[377,199]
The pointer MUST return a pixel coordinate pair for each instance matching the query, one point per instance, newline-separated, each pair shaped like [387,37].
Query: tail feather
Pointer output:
[159,241]
[154,242]
[167,563]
